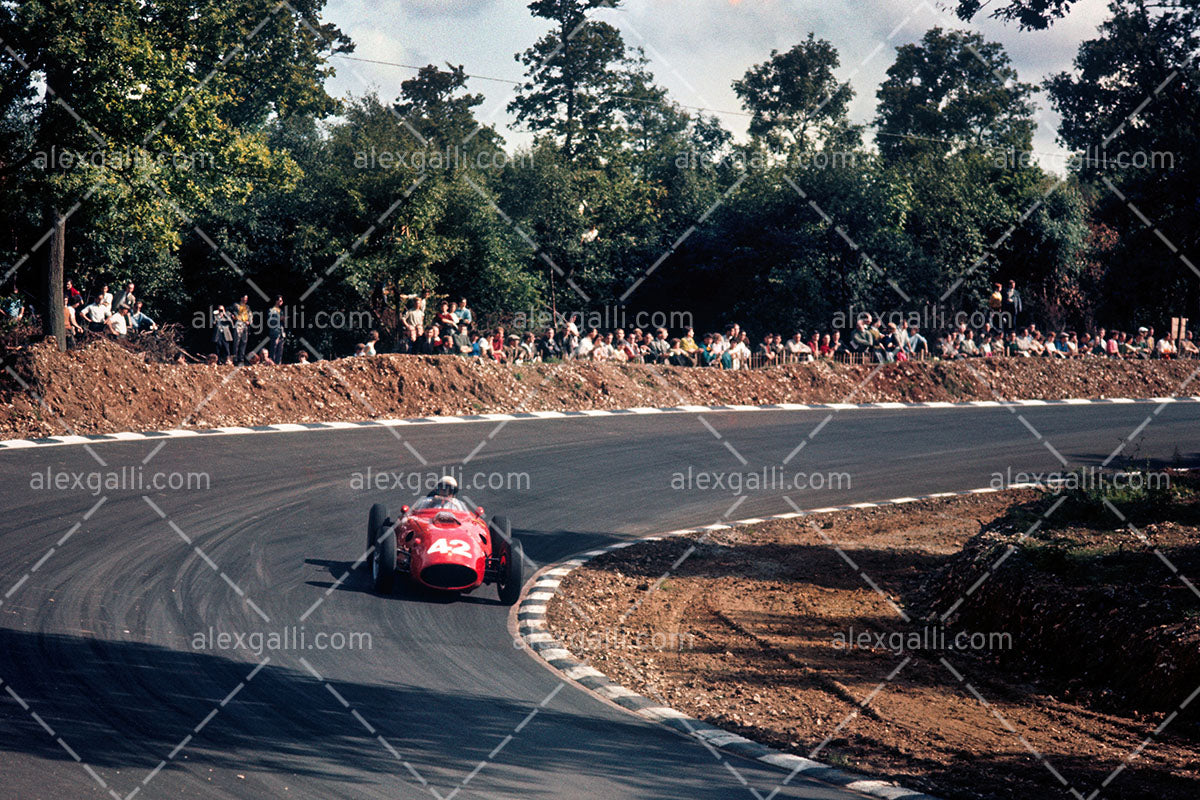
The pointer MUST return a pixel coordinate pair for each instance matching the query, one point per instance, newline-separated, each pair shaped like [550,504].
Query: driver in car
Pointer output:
[443,495]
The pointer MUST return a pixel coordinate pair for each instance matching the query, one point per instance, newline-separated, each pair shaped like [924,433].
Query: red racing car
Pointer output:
[441,544]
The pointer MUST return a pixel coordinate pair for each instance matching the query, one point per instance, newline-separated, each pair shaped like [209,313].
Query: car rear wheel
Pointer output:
[383,562]
[375,522]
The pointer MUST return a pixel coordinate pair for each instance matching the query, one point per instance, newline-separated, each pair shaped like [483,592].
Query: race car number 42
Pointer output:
[456,548]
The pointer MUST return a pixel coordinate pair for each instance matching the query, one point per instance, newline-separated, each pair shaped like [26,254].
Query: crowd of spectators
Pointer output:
[451,329]
[452,332]
[873,342]
[232,328]
[103,313]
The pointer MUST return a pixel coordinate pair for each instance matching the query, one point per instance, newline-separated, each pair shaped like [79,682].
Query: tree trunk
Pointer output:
[569,84]
[55,323]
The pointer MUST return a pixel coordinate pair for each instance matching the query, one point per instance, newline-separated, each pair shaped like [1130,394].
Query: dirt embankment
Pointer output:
[104,388]
[1082,641]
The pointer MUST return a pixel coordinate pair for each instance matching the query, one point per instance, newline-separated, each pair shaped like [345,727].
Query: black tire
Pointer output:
[383,562]
[375,522]
[501,530]
[512,573]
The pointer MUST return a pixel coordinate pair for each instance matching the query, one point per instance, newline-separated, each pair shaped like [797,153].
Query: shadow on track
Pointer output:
[126,705]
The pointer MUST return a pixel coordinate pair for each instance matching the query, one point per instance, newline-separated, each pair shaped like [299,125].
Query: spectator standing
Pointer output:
[414,317]
[241,329]
[1011,304]
[118,323]
[127,298]
[106,300]
[74,329]
[223,333]
[276,333]
[73,293]
[995,304]
[95,315]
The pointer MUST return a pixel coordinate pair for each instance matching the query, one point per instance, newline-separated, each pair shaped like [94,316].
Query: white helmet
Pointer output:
[447,486]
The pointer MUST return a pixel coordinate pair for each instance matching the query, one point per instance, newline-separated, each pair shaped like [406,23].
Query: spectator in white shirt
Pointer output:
[739,353]
[797,350]
[106,300]
[95,314]
[588,343]
[118,323]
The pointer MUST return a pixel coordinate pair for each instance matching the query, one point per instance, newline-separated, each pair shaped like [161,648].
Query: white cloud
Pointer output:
[697,47]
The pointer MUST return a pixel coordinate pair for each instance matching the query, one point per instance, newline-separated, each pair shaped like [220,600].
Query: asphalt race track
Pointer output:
[97,658]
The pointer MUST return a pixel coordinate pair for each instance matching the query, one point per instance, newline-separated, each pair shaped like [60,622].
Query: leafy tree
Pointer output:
[950,91]
[1131,110]
[794,95]
[134,92]
[434,106]
[1029,14]
[954,127]
[574,78]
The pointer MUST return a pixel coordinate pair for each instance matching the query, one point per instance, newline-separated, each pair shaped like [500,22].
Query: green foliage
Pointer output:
[794,95]
[574,78]
[625,198]
[953,90]
[1135,94]
[1029,14]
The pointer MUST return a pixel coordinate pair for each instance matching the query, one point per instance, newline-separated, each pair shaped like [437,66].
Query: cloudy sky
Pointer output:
[696,47]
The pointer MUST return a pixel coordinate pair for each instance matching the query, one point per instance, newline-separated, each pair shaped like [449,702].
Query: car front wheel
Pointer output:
[383,562]
[512,573]
[375,522]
